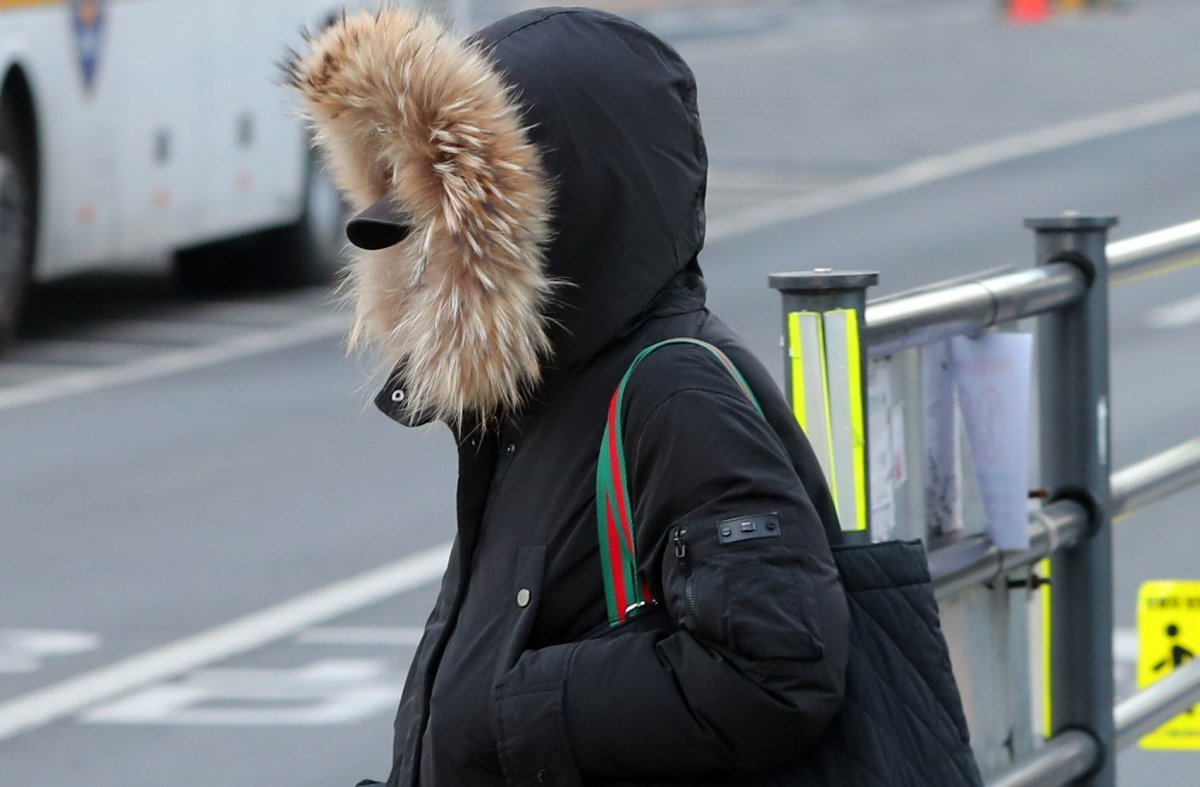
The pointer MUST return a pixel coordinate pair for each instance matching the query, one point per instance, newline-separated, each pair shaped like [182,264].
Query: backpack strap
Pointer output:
[625,589]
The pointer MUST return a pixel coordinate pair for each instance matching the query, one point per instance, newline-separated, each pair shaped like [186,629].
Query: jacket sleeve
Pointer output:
[752,670]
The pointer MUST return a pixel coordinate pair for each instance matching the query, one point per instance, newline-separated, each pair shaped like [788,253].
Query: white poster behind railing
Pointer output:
[885,424]
[943,497]
[992,378]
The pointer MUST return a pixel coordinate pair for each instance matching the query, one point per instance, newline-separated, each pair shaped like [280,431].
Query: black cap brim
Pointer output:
[380,226]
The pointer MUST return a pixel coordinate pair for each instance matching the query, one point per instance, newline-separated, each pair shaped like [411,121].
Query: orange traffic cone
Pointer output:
[1028,12]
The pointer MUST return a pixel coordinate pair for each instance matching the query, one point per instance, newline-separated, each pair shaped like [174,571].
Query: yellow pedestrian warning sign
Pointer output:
[1168,637]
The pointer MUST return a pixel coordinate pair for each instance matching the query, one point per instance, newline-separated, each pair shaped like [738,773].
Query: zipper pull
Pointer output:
[681,551]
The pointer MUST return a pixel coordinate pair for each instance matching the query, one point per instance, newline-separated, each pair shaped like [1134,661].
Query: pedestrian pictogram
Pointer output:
[1179,654]
[1168,638]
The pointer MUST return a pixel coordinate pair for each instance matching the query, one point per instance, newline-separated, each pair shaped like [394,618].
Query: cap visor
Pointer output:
[380,226]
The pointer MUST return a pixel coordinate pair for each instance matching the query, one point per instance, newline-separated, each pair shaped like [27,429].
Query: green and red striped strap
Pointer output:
[625,589]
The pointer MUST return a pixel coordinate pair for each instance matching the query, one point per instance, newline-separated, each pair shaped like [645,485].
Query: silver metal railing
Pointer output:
[1068,756]
[976,560]
[895,324]
[1074,264]
[1149,708]
[1159,476]
[1073,753]
[926,317]
[1153,251]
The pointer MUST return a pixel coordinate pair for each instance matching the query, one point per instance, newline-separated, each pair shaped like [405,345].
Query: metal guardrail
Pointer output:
[1159,476]
[1068,756]
[1149,708]
[977,561]
[931,315]
[1073,753]
[1148,253]
[926,317]
[1074,265]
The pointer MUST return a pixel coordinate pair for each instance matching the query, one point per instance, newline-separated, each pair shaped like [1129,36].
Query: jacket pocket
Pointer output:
[752,597]
[525,596]
[528,718]
[770,599]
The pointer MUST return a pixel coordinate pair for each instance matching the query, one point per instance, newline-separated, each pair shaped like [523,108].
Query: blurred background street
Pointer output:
[173,461]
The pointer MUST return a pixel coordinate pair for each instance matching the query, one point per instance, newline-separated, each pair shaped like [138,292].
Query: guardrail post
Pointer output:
[1073,357]
[825,371]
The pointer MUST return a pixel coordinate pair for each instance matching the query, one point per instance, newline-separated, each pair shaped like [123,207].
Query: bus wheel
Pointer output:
[16,226]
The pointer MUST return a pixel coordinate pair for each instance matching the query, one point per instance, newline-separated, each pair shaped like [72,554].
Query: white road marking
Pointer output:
[169,363]
[24,650]
[330,691]
[361,635]
[1177,314]
[46,705]
[942,167]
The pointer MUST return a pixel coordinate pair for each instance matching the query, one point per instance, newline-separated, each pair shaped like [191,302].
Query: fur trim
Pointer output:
[400,106]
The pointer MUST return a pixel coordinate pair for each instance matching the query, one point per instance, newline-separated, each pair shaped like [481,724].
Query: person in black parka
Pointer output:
[534,208]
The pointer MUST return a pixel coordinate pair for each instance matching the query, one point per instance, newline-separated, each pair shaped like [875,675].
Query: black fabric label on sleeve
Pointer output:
[744,528]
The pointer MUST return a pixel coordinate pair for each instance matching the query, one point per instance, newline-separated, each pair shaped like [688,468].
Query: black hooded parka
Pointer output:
[519,680]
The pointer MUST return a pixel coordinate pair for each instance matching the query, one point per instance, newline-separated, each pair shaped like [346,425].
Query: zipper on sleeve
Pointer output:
[681,554]
[685,567]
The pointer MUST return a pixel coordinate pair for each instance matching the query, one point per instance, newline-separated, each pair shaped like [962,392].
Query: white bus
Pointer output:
[140,130]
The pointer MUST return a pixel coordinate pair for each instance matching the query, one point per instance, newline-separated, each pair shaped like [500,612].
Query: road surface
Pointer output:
[217,555]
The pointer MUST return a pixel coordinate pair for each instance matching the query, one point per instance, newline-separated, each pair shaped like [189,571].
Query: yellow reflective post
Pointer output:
[825,360]
[810,388]
[847,422]
[858,416]
[825,363]
[1047,652]
[795,350]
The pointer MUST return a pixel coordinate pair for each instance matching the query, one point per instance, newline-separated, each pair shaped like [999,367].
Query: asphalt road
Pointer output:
[141,515]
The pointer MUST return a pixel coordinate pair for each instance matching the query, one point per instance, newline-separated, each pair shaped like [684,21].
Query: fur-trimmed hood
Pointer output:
[553,173]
